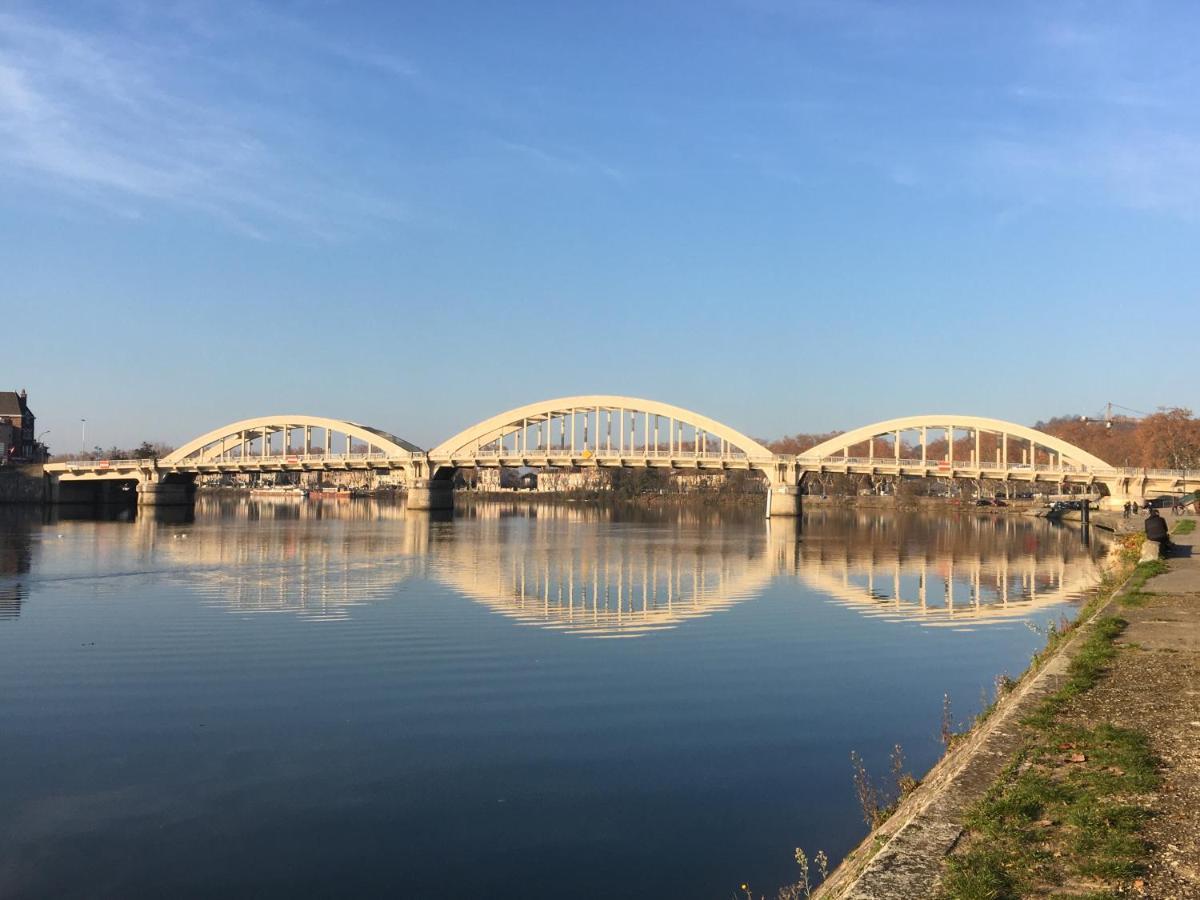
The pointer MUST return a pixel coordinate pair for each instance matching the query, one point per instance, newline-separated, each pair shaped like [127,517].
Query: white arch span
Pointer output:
[254,429]
[516,420]
[1068,451]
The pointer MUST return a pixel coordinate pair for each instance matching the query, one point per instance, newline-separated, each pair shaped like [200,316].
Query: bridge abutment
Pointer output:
[1122,490]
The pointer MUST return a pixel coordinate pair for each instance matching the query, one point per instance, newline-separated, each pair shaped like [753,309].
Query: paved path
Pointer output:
[1155,686]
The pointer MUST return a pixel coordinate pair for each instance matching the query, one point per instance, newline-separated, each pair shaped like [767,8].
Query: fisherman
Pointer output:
[1157,531]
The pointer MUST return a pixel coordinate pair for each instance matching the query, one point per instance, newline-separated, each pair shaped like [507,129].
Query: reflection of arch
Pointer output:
[600,586]
[987,592]
[568,409]
[574,605]
[238,435]
[314,580]
[562,567]
[843,442]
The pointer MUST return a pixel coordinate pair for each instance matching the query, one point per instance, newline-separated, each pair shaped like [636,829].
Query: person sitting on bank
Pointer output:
[1157,531]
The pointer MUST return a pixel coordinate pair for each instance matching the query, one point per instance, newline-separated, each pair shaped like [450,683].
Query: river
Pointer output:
[286,697]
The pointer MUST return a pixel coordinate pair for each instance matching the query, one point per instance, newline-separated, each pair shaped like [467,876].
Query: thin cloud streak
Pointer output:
[102,115]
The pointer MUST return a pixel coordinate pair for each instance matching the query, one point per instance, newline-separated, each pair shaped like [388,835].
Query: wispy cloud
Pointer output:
[1056,105]
[1103,112]
[106,116]
[565,162]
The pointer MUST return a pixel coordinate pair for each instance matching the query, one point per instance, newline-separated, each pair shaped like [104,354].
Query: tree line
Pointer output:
[145,450]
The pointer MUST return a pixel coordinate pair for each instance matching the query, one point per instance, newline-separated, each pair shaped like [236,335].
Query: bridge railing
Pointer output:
[990,466]
[957,464]
[1192,474]
[249,459]
[602,453]
[91,464]
[294,458]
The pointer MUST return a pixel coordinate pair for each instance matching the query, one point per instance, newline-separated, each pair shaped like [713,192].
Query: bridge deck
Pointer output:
[630,459]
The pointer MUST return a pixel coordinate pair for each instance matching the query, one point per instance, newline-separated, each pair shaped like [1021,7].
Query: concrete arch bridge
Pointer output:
[608,431]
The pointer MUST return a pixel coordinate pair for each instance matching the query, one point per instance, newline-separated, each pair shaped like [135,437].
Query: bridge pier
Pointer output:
[783,500]
[431,494]
[1122,490]
[164,493]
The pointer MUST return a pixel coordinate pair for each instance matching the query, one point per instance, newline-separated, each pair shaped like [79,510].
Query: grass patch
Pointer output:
[1135,596]
[1083,671]
[1061,814]
[980,875]
[1065,808]
[1184,526]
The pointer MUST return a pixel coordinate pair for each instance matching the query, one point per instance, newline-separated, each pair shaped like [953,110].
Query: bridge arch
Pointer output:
[1068,453]
[593,418]
[236,437]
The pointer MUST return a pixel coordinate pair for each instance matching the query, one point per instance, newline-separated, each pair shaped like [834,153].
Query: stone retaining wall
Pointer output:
[22,484]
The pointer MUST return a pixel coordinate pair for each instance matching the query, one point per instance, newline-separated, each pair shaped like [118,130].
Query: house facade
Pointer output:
[18,438]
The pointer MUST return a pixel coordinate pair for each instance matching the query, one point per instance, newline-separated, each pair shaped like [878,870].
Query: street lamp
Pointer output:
[83,434]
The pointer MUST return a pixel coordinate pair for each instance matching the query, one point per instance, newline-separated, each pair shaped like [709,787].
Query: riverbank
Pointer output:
[1083,781]
[906,856]
[1117,813]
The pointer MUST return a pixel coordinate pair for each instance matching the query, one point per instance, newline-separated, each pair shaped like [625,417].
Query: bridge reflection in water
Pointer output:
[583,571]
[953,571]
[601,581]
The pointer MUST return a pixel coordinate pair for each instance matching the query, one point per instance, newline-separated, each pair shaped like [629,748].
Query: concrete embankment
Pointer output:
[904,857]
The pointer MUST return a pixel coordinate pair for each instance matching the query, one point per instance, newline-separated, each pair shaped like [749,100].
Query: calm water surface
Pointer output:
[293,698]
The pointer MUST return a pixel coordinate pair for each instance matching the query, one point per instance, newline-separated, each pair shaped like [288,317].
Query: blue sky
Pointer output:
[790,216]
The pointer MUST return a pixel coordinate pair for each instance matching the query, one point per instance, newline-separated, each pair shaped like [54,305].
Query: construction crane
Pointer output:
[1107,416]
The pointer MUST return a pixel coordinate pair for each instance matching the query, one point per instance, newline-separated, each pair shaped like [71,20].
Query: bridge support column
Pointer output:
[783,500]
[431,493]
[163,493]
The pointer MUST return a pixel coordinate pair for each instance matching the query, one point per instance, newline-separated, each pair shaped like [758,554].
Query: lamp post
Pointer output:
[83,434]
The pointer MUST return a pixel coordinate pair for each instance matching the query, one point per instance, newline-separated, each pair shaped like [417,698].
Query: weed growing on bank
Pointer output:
[1135,596]
[803,887]
[877,802]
